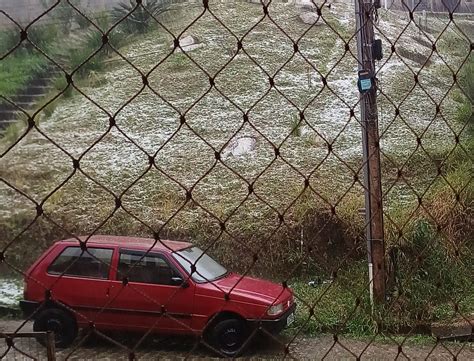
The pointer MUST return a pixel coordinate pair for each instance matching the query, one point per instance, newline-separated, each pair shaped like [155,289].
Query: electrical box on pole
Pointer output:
[368,49]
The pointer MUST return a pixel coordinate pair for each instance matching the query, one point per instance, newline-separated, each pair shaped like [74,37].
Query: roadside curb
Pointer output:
[10,311]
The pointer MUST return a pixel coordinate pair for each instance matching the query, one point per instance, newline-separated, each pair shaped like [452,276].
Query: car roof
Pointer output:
[129,242]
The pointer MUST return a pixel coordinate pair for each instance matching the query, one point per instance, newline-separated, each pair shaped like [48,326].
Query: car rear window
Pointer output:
[92,263]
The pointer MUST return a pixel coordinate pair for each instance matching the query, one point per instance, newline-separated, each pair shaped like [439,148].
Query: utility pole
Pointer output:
[364,11]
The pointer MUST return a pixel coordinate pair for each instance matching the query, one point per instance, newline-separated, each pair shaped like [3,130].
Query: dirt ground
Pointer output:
[302,347]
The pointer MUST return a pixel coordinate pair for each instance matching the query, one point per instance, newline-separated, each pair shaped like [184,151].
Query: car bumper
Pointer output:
[275,326]
[28,307]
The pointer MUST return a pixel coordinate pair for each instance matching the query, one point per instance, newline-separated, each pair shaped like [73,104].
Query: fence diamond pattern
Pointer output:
[236,125]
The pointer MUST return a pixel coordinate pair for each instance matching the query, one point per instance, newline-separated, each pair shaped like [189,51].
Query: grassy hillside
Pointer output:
[148,124]
[182,122]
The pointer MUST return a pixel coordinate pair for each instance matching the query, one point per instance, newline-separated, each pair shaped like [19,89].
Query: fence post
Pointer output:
[50,348]
[364,11]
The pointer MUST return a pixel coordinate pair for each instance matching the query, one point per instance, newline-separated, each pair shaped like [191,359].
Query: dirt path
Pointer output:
[309,348]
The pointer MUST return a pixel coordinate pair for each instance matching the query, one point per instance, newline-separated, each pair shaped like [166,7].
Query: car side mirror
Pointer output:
[178,281]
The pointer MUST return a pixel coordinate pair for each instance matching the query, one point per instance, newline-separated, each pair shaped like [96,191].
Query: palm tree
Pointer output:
[141,18]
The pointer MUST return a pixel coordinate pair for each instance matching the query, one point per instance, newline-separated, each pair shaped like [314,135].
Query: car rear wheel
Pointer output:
[60,322]
[228,336]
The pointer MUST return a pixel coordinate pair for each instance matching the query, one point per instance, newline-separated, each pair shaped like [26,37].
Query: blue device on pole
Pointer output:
[364,83]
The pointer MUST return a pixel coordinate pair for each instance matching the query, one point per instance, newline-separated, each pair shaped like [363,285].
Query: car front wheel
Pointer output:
[229,336]
[58,321]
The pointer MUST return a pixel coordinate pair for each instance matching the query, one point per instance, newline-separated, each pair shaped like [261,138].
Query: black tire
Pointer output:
[228,336]
[62,323]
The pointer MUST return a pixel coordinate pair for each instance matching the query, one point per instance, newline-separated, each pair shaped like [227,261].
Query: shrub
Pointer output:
[103,21]
[466,83]
[17,69]
[83,49]
[178,62]
[12,132]
[61,84]
[430,278]
[78,55]
[467,79]
[43,36]
[435,258]
[116,37]
[296,125]
[81,21]
[63,12]
[140,19]
[88,44]
[8,39]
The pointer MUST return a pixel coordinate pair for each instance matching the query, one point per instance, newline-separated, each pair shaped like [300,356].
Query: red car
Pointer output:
[133,284]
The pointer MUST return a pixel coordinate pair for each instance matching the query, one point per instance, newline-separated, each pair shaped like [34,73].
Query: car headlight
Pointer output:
[275,310]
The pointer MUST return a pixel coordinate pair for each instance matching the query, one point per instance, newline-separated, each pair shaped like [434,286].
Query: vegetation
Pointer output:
[467,86]
[17,71]
[142,17]
[432,259]
[433,277]
[296,125]
[9,38]
[339,305]
[45,37]
[63,13]
[434,255]
[25,62]
[89,44]
[432,286]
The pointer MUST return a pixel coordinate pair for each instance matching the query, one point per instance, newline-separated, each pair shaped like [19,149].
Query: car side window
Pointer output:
[151,268]
[92,263]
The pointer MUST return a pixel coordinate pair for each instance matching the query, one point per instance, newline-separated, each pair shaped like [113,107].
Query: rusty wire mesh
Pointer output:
[21,345]
[247,142]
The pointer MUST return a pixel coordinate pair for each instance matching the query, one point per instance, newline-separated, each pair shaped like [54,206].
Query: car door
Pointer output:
[150,293]
[80,279]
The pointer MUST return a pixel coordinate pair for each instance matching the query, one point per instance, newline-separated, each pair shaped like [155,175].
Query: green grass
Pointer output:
[335,306]
[18,69]
[24,63]
[427,295]
[8,40]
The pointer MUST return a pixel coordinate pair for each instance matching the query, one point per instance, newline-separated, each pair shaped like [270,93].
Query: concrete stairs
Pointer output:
[35,90]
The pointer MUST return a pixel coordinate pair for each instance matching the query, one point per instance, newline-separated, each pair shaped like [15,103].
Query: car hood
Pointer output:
[248,287]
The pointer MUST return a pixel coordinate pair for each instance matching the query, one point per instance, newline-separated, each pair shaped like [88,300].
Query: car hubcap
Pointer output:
[56,327]
[230,338]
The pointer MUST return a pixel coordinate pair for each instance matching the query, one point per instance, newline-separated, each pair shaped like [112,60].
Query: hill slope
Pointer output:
[150,122]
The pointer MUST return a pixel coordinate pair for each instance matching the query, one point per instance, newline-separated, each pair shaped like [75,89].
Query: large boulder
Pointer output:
[305,4]
[189,43]
[308,4]
[240,146]
[310,18]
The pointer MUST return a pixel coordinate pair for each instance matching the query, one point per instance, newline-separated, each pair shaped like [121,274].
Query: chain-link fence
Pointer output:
[21,345]
[281,138]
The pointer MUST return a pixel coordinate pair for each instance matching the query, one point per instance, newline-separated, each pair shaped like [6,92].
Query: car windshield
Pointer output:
[206,268]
